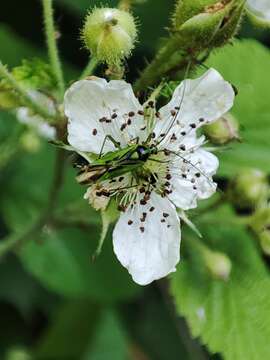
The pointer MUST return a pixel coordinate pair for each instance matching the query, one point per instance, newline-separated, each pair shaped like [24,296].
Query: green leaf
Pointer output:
[110,341]
[232,317]
[75,320]
[61,260]
[95,334]
[245,65]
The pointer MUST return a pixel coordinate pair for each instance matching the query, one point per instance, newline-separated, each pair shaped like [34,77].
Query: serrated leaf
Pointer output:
[231,318]
[245,65]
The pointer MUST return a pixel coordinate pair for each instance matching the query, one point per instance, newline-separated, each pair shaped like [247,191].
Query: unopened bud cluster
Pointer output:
[248,189]
[109,34]
[223,131]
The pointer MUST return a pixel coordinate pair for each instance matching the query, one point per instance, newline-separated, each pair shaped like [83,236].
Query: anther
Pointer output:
[142,229]
[131,113]
[94,132]
[130,222]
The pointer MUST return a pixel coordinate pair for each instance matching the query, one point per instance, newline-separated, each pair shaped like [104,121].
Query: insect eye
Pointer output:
[142,153]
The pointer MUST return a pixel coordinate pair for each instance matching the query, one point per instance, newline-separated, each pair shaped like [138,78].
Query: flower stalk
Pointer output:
[90,68]
[52,46]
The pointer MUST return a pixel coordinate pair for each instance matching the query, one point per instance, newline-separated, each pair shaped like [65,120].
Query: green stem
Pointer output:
[24,95]
[17,239]
[52,46]
[90,68]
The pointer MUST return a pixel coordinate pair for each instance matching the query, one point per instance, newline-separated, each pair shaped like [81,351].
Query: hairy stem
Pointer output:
[24,95]
[52,46]
[18,239]
[90,68]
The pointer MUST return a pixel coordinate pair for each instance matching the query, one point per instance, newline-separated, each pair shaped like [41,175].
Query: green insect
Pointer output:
[115,163]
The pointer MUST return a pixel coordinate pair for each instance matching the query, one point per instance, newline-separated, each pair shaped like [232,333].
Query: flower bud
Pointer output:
[8,100]
[218,264]
[109,34]
[248,189]
[265,241]
[260,225]
[259,12]
[30,142]
[223,130]
[207,23]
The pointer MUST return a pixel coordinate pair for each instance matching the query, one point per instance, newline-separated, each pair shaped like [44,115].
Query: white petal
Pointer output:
[195,103]
[88,101]
[154,253]
[198,183]
[260,9]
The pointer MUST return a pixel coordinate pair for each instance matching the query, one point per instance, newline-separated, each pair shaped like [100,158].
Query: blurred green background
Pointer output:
[54,302]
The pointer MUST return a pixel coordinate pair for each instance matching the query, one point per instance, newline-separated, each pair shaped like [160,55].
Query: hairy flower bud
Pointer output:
[109,34]
[248,189]
[218,264]
[223,130]
[207,23]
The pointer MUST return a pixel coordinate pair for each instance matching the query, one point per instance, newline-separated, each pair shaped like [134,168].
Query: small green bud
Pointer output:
[207,23]
[265,241]
[35,74]
[109,34]
[218,264]
[8,100]
[30,142]
[223,130]
[248,189]
[260,225]
[17,354]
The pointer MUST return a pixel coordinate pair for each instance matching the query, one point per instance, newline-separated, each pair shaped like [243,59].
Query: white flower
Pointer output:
[168,169]
[260,9]
[36,122]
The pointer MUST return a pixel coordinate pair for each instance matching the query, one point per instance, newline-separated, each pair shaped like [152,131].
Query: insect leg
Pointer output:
[108,137]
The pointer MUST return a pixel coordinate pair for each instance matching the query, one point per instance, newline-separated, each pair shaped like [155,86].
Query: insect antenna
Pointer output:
[179,107]
[209,180]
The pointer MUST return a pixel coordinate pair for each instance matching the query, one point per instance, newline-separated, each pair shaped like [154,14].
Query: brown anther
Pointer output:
[94,132]
[201,120]
[168,176]
[123,126]
[143,201]
[131,113]
[173,112]
[121,208]
[130,222]
[114,116]
[183,133]
[165,215]
[193,126]
[140,112]
[151,209]
[142,229]
[129,122]
[163,220]
[182,147]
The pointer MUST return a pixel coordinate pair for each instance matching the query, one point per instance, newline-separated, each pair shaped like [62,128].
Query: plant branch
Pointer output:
[51,44]
[90,68]
[18,239]
[24,95]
